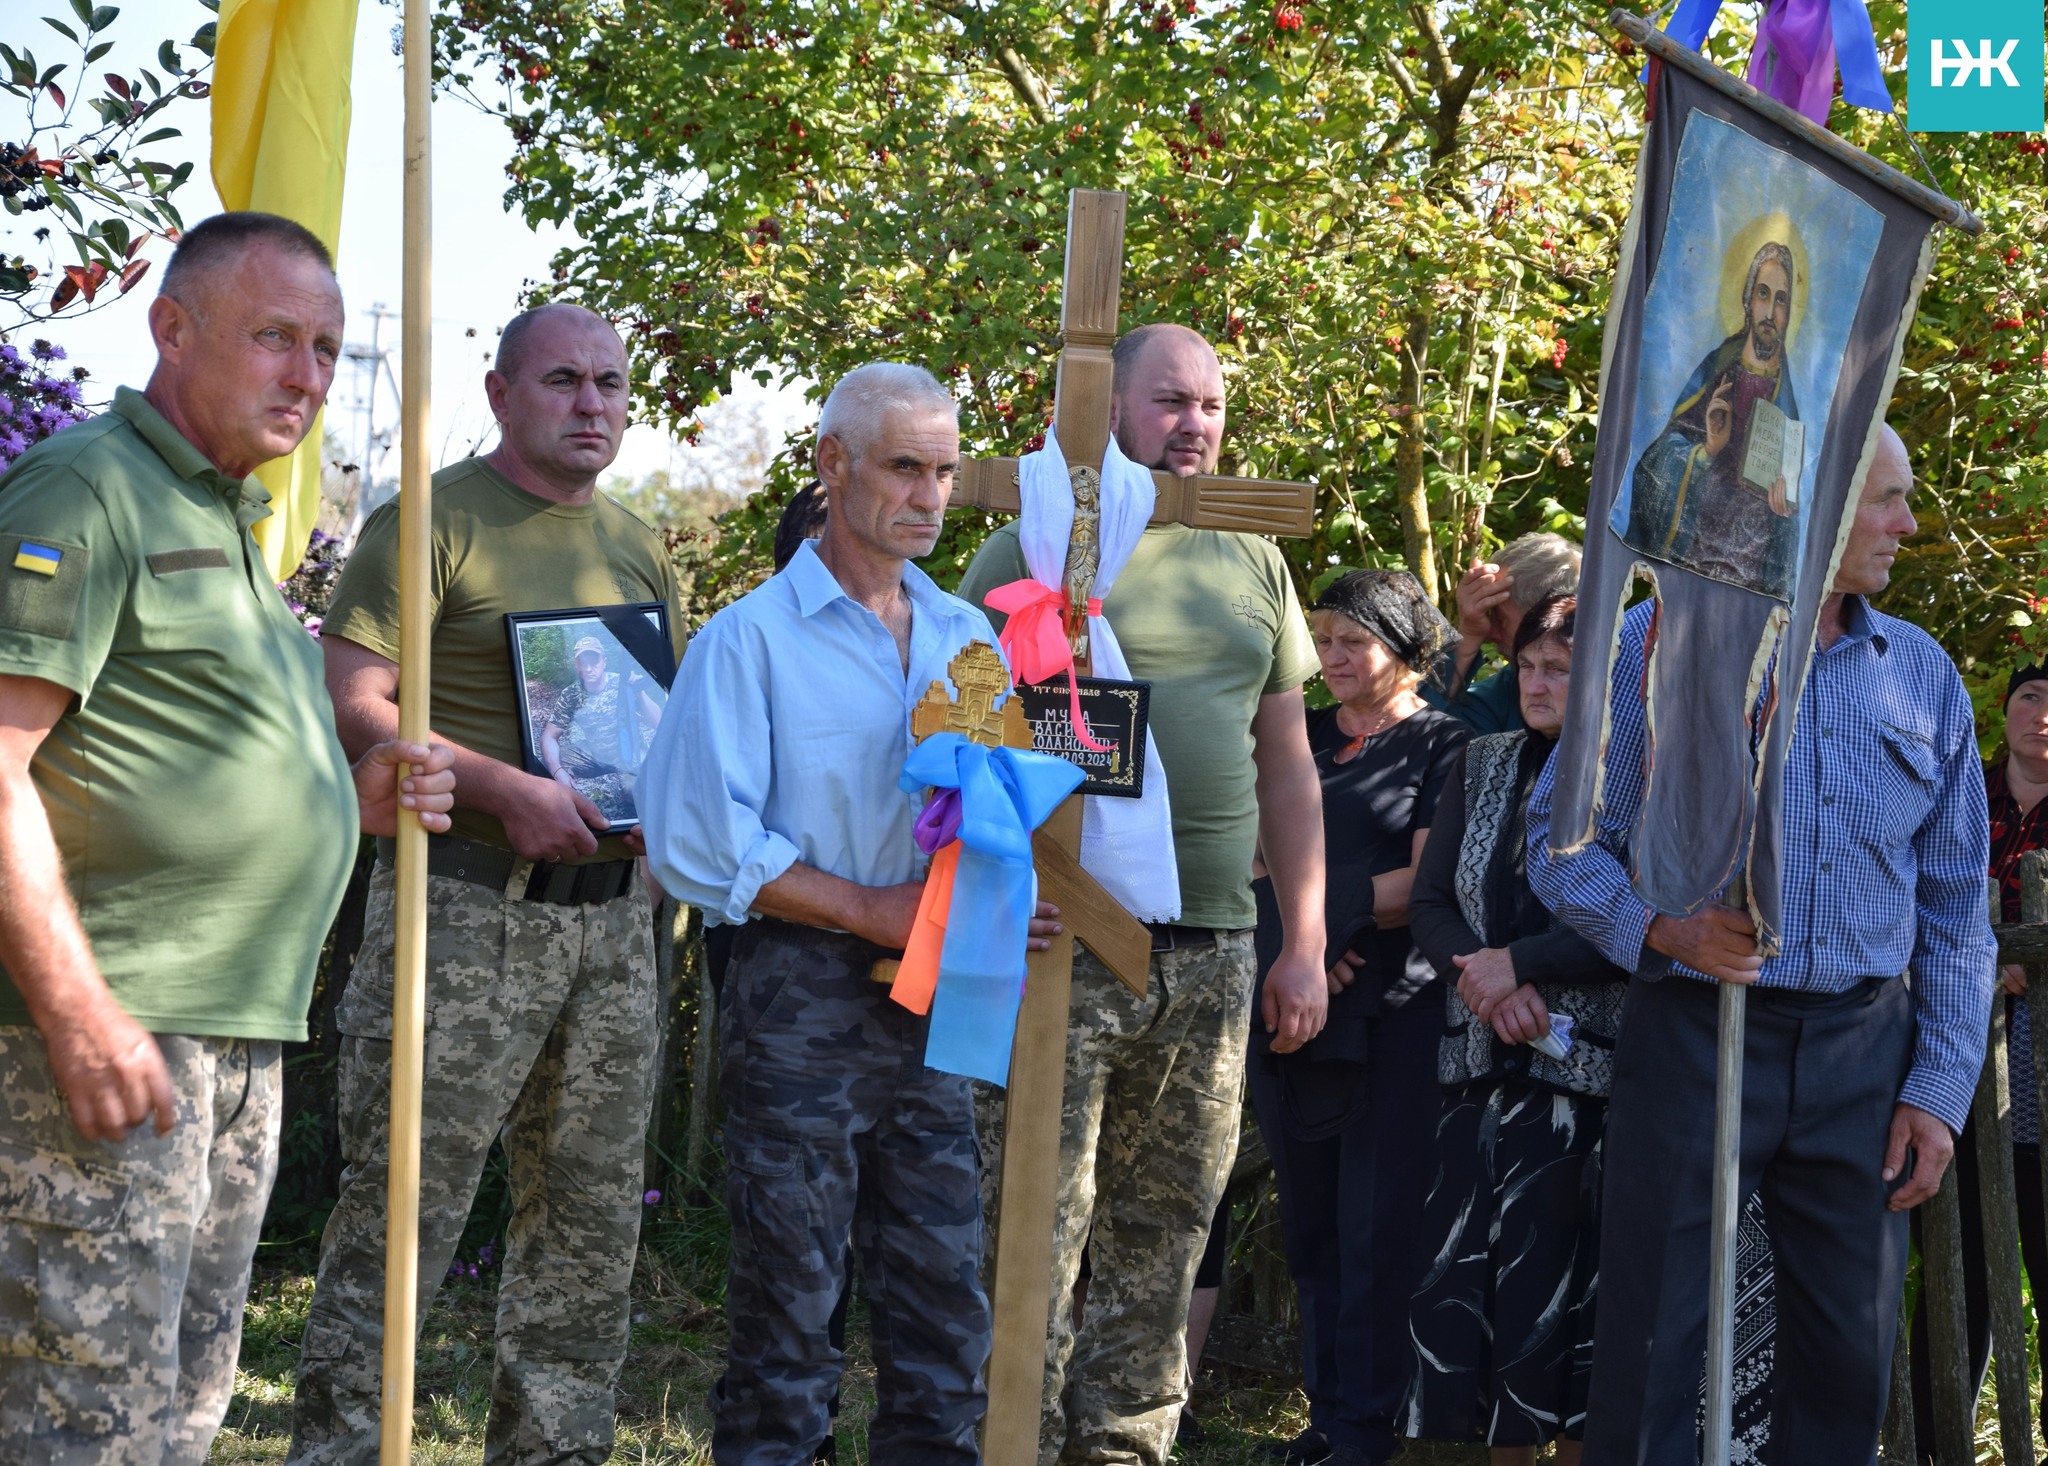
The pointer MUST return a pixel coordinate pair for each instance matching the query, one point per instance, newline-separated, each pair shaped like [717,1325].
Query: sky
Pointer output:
[483,257]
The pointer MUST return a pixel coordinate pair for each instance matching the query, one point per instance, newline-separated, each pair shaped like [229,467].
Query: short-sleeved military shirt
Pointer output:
[200,800]
[1210,619]
[498,549]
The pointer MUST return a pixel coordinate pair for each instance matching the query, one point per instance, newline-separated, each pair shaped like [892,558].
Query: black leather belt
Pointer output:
[1169,938]
[489,865]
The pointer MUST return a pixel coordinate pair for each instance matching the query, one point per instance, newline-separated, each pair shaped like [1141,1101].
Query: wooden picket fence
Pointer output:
[1941,1275]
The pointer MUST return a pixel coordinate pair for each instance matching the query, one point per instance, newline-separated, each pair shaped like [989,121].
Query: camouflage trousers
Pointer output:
[834,1128]
[541,1025]
[123,1268]
[1148,1131]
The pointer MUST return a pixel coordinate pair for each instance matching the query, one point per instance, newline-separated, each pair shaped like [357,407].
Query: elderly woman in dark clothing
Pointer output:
[1501,1318]
[1349,1116]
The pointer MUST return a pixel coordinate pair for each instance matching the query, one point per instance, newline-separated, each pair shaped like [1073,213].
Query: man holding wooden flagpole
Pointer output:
[540,958]
[177,823]
[1855,1078]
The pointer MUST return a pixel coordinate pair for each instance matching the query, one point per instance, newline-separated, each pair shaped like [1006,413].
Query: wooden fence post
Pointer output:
[2034,908]
[703,1053]
[1948,1343]
[1897,1444]
[2002,1245]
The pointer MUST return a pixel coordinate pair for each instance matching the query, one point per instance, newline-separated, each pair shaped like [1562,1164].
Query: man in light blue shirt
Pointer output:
[1864,1037]
[770,799]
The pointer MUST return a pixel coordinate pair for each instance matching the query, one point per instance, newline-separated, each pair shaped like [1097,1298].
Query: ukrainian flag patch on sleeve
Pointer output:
[42,559]
[41,592]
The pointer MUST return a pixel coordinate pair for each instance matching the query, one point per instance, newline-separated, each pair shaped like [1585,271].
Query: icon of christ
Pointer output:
[1717,491]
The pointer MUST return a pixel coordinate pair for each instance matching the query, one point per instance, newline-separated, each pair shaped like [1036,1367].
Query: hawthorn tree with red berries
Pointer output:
[1397,222]
[779,186]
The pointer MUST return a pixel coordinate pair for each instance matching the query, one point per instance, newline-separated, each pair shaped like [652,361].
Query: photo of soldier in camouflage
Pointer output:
[589,723]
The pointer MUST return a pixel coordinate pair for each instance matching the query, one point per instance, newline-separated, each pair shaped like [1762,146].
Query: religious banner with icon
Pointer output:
[1768,275]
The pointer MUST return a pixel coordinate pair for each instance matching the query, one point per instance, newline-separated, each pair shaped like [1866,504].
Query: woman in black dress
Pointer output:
[1501,1320]
[1349,1116]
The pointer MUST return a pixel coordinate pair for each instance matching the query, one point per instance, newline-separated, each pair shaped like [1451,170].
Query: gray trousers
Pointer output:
[1821,1077]
[124,1267]
[834,1128]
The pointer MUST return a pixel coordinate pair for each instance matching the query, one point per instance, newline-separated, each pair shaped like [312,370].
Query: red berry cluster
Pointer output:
[1287,16]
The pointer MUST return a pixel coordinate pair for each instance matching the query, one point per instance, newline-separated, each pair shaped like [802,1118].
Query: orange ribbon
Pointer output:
[1039,648]
[917,976]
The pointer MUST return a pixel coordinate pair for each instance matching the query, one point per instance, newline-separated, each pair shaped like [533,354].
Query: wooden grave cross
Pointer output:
[1038,1060]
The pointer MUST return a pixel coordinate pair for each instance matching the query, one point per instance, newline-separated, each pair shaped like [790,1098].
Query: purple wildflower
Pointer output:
[35,402]
[652,1198]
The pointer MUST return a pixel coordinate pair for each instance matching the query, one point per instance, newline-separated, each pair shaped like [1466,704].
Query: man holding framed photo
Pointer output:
[540,960]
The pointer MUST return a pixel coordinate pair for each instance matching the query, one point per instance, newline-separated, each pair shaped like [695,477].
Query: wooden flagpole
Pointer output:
[1727,1216]
[415,570]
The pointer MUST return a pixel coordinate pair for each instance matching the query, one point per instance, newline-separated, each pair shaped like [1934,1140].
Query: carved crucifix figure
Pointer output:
[1031,1142]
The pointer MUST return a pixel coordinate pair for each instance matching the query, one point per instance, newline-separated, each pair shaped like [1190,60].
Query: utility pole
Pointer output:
[372,362]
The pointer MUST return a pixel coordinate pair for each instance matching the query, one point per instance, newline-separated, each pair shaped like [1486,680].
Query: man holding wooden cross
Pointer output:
[177,823]
[1150,1119]
[773,802]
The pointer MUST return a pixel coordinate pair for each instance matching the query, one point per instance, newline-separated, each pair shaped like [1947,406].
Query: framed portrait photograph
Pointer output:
[592,682]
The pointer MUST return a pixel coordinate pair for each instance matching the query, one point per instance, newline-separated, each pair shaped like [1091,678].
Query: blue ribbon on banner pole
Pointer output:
[1005,794]
[1856,57]
[1855,47]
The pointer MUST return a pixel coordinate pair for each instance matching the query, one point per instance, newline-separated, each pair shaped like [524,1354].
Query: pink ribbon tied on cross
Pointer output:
[1035,637]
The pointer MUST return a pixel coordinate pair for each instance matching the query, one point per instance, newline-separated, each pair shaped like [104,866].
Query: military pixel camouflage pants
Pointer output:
[1148,1131]
[540,1023]
[123,1268]
[835,1127]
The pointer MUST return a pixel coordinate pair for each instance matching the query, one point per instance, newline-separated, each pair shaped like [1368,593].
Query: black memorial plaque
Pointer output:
[1115,713]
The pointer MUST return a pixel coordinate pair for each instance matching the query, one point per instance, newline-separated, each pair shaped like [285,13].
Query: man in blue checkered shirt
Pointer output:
[1854,1082]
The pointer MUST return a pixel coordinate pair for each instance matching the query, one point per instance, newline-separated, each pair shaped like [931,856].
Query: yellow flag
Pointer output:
[280,143]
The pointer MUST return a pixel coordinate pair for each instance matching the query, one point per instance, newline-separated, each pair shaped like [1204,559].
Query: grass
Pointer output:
[675,1354]
[677,1346]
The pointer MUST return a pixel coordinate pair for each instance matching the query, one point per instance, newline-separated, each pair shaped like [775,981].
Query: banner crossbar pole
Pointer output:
[1672,52]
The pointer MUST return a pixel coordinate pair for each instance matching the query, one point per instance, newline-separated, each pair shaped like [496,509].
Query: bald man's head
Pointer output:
[1883,517]
[514,340]
[1166,409]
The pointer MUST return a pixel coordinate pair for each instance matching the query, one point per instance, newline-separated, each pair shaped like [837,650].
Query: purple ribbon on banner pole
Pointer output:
[1799,46]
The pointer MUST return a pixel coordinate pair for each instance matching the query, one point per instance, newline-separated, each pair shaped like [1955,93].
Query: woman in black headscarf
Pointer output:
[1349,1116]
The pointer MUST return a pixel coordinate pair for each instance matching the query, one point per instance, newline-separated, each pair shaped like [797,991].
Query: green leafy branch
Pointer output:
[83,160]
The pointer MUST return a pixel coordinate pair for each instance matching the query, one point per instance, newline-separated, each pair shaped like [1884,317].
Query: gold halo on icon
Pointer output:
[1773,228]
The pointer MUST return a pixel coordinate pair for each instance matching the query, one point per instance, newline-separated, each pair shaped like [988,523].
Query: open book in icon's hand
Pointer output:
[1776,448]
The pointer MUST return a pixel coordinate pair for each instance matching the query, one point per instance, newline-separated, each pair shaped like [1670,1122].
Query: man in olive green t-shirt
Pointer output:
[1150,1119]
[541,1018]
[177,824]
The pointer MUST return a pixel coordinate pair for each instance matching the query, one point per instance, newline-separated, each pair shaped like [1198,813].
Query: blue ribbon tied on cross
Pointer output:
[1004,794]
